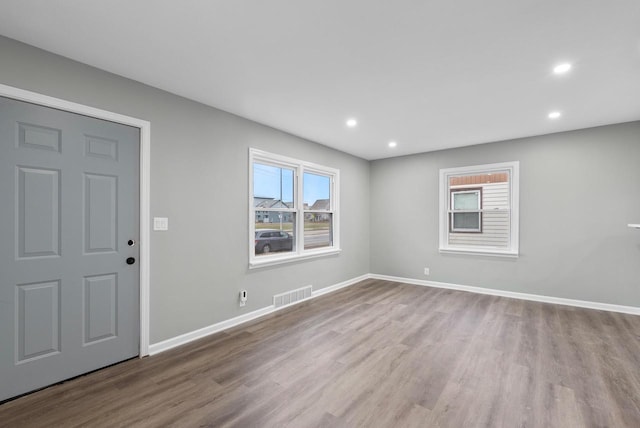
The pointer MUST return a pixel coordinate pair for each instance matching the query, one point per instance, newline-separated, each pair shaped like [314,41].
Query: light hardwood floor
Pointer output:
[377,354]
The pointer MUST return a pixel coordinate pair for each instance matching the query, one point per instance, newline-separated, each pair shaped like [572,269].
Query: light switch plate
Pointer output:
[160,223]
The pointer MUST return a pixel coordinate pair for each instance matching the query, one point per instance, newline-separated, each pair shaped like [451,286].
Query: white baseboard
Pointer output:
[514,295]
[185,338]
[340,285]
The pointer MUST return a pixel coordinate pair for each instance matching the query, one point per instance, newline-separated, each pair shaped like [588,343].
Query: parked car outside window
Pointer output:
[269,240]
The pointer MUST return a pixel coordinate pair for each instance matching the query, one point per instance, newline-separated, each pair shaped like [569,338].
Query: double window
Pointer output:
[479,209]
[293,209]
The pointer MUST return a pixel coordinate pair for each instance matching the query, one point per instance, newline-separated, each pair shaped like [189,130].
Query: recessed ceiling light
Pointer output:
[351,123]
[554,115]
[392,144]
[562,68]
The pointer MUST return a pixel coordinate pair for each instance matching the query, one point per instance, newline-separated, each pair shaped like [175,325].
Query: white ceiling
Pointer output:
[428,74]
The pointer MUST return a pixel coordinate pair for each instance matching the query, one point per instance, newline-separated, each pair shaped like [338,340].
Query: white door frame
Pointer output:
[145,178]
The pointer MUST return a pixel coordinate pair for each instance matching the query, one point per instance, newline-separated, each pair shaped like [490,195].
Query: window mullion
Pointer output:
[299,204]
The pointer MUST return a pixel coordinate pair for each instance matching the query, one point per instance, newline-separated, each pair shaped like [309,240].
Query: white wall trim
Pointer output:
[514,295]
[185,338]
[145,184]
[279,259]
[340,285]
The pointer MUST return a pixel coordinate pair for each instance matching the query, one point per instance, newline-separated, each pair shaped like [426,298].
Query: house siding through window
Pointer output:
[495,218]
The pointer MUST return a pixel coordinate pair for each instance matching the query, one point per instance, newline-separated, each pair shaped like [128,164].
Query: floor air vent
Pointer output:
[292,296]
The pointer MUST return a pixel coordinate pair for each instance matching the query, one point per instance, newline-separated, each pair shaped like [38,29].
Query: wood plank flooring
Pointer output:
[376,354]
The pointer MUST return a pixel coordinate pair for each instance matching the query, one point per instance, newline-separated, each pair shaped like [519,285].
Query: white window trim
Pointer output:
[514,186]
[299,167]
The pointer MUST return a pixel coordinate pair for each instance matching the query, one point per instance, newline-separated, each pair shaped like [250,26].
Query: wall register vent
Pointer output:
[292,296]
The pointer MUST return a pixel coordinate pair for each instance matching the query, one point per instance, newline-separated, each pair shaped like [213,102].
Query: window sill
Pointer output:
[480,252]
[288,258]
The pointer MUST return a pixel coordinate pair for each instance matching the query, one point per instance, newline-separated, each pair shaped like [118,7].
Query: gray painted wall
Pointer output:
[199,179]
[578,191]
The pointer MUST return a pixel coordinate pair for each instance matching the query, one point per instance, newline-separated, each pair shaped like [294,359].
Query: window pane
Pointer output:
[275,232]
[318,230]
[272,186]
[316,191]
[489,191]
[468,221]
[466,200]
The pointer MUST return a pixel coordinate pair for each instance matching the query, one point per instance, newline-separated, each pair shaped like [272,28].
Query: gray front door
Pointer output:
[69,302]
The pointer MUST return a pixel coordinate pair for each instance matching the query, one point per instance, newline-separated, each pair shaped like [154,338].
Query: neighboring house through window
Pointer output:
[479,209]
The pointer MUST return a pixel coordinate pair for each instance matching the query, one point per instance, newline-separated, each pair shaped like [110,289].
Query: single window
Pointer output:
[465,213]
[479,209]
[282,191]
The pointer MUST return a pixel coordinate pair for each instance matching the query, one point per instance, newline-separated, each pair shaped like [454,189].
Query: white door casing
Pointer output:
[144,180]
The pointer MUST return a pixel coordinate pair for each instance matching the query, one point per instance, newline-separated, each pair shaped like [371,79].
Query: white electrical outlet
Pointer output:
[426,271]
[243,297]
